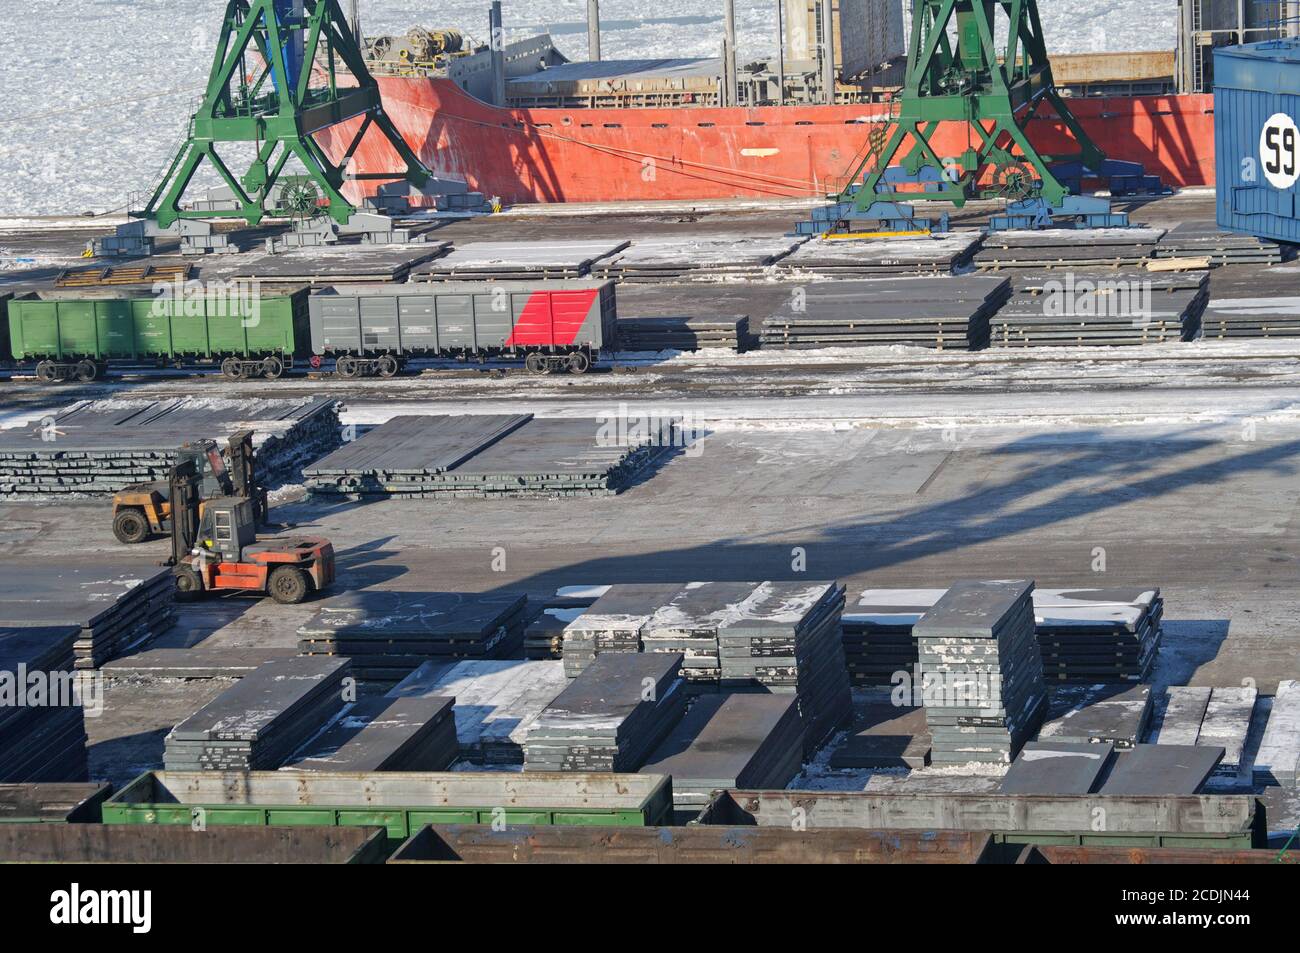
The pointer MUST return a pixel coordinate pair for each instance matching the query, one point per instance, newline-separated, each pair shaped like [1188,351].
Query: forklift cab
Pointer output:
[228,525]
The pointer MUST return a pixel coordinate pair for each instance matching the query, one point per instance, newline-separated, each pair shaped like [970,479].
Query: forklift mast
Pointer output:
[210,466]
[183,491]
[243,474]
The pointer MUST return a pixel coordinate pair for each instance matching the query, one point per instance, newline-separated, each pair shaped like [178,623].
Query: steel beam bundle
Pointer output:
[103,446]
[1099,715]
[1095,309]
[875,258]
[496,702]
[114,610]
[388,633]
[41,739]
[938,313]
[385,734]
[727,741]
[261,720]
[697,257]
[1206,240]
[518,261]
[1068,248]
[490,456]
[781,637]
[611,717]
[683,334]
[983,679]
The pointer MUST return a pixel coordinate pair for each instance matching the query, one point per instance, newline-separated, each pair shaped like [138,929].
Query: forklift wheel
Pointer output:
[188,583]
[288,585]
[130,527]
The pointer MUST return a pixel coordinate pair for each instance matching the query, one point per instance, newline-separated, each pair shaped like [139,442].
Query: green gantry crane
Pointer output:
[277,108]
[958,73]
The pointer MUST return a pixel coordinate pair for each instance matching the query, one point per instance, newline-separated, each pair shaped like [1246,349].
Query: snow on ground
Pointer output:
[97,92]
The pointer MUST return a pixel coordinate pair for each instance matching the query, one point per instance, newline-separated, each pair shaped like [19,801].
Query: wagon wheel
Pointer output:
[579,362]
[230,369]
[87,371]
[346,366]
[386,365]
[272,368]
[534,363]
[46,372]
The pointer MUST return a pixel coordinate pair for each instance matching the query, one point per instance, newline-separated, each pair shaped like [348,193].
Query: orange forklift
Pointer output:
[143,510]
[215,548]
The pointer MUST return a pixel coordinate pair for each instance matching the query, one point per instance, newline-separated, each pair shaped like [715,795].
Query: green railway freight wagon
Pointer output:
[80,335]
[400,801]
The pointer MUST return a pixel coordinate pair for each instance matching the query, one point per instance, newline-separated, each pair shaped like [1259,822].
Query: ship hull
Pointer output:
[610,155]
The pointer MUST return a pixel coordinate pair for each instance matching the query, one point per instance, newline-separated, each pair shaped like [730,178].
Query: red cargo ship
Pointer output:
[653,154]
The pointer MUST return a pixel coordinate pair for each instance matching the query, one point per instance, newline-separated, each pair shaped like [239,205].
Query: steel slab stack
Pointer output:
[261,720]
[544,636]
[1278,759]
[983,685]
[884,735]
[1104,310]
[496,702]
[388,633]
[103,446]
[866,258]
[1099,715]
[518,261]
[1252,301]
[116,608]
[1057,767]
[682,334]
[615,623]
[611,717]
[696,257]
[41,739]
[490,455]
[1068,248]
[878,639]
[1203,239]
[1098,636]
[730,741]
[938,313]
[385,734]
[1161,771]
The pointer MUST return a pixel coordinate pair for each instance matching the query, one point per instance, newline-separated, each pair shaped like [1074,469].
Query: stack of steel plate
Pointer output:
[730,741]
[1068,248]
[1226,725]
[389,633]
[42,721]
[1278,759]
[262,719]
[518,261]
[610,717]
[878,639]
[103,446]
[682,334]
[1099,715]
[983,680]
[1161,771]
[785,637]
[385,734]
[693,257]
[1097,308]
[544,636]
[1252,301]
[496,702]
[614,623]
[491,456]
[939,313]
[1098,636]
[339,264]
[1205,240]
[884,735]
[1057,767]
[117,608]
[866,258]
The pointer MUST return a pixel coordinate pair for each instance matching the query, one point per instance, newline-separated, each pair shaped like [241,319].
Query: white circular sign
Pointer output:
[1279,151]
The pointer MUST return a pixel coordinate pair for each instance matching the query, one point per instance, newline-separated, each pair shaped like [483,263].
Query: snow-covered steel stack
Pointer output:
[102,446]
[1102,308]
[1204,239]
[1098,636]
[877,632]
[389,633]
[518,261]
[116,609]
[1099,715]
[261,720]
[870,258]
[694,257]
[983,682]
[939,313]
[45,740]
[776,636]
[496,702]
[1278,758]
[683,334]
[610,717]
[1068,248]
[730,741]
[385,734]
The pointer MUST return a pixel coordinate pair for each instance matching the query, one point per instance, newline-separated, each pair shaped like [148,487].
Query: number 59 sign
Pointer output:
[1279,150]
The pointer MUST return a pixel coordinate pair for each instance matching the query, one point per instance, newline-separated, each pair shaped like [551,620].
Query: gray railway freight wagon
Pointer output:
[552,325]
